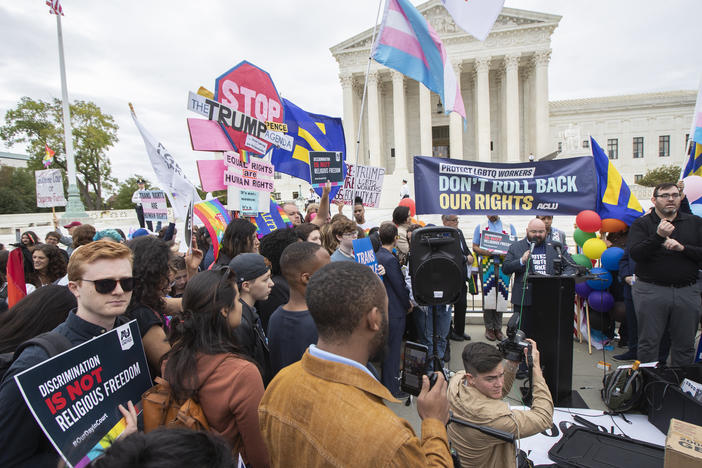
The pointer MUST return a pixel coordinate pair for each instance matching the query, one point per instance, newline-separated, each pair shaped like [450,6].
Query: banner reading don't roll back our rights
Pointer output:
[444,186]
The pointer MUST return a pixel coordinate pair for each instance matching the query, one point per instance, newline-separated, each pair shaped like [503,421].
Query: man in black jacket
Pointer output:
[666,245]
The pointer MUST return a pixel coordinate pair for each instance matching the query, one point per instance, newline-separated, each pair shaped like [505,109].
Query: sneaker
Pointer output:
[628,356]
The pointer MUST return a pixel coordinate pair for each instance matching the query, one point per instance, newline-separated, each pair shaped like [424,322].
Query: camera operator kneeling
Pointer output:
[476,396]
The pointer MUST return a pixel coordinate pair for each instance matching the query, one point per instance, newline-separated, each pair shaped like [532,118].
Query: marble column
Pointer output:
[512,107]
[399,115]
[350,117]
[482,70]
[456,126]
[541,116]
[425,112]
[373,119]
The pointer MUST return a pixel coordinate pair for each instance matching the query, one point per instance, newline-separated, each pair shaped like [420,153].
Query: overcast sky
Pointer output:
[151,53]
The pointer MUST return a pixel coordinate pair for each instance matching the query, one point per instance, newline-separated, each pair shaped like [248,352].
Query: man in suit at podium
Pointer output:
[532,255]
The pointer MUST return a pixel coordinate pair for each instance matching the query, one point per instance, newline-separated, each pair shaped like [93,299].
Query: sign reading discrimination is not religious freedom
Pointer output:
[368,182]
[49,188]
[74,396]
[497,242]
[326,166]
[565,186]
[154,204]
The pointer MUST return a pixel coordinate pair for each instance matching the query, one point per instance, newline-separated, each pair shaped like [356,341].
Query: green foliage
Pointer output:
[660,175]
[36,123]
[18,191]
[122,199]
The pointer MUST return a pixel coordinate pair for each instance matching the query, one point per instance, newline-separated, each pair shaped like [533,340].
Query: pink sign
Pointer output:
[211,173]
[207,135]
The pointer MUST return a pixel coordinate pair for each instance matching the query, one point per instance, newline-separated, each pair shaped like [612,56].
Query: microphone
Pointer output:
[558,246]
[531,247]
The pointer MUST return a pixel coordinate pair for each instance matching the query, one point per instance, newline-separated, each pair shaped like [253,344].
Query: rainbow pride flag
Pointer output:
[104,443]
[48,156]
[276,218]
[244,156]
[215,218]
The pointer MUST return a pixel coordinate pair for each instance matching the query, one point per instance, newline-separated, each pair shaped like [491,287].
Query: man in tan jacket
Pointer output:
[476,396]
[328,409]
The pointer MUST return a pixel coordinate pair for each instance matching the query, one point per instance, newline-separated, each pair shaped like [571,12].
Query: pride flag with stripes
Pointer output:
[614,198]
[276,218]
[407,43]
[215,217]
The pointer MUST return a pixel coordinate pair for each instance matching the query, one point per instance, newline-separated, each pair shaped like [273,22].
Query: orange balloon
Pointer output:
[409,203]
[612,225]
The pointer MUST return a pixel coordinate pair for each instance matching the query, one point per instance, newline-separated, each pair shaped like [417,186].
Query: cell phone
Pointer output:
[414,367]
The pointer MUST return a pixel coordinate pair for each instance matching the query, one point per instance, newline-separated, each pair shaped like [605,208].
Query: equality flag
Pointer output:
[407,43]
[48,156]
[55,7]
[172,179]
[310,132]
[16,283]
[276,218]
[614,198]
[694,161]
[475,17]
[215,218]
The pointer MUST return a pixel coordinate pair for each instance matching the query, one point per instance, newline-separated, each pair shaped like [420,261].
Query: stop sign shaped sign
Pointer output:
[249,90]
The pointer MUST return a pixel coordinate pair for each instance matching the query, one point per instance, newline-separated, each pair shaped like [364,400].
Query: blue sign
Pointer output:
[452,186]
[363,251]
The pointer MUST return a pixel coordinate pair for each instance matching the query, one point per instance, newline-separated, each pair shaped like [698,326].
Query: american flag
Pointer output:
[55,6]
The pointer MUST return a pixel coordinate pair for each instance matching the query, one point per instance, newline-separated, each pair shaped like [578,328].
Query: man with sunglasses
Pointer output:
[100,276]
[666,245]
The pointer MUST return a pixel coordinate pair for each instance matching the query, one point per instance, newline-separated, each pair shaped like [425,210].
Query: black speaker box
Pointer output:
[436,265]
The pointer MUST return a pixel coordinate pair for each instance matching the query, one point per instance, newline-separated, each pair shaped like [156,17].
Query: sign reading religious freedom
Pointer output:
[497,242]
[368,182]
[565,186]
[326,166]
[154,204]
[74,395]
[49,188]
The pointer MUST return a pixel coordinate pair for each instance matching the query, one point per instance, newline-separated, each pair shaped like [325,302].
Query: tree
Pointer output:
[660,175]
[18,191]
[36,123]
[122,199]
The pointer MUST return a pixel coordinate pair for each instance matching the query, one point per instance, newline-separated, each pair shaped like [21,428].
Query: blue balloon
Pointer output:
[610,258]
[603,280]
[583,290]
[601,301]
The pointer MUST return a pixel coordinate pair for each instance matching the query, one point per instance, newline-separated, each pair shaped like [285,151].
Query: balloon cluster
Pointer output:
[595,290]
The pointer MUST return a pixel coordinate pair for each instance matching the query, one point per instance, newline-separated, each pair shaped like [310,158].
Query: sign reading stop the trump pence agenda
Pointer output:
[249,90]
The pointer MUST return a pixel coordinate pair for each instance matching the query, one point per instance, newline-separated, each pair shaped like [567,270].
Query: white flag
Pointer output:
[180,191]
[475,17]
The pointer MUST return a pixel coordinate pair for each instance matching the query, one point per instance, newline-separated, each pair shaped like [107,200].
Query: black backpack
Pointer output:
[52,342]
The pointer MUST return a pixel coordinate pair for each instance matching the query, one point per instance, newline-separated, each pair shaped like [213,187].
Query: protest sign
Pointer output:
[211,174]
[49,188]
[248,202]
[497,242]
[74,396]
[363,251]
[154,204]
[368,182]
[326,166]
[450,186]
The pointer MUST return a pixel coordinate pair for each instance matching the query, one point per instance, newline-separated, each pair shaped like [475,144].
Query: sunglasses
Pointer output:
[107,285]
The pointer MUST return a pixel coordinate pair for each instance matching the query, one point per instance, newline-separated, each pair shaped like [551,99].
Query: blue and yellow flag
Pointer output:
[614,198]
[694,161]
[311,132]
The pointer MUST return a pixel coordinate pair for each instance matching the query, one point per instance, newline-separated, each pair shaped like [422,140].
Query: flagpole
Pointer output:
[74,207]
[363,104]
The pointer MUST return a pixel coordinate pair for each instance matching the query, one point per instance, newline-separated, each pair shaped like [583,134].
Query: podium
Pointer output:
[552,329]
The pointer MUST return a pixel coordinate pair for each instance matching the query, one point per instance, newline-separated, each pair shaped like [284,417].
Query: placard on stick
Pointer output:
[154,204]
[496,241]
[326,166]
[74,395]
[49,188]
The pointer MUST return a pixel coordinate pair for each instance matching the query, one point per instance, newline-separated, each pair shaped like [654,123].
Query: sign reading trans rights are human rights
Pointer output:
[565,186]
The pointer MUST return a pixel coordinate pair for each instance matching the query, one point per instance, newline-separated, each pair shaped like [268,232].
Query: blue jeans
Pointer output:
[425,327]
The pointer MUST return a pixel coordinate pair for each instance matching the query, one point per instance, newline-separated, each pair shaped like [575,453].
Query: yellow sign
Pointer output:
[277,127]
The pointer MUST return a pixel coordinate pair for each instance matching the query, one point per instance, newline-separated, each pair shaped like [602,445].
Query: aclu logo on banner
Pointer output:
[126,339]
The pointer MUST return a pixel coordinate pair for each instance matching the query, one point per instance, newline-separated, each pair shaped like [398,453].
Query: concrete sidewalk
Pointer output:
[587,378]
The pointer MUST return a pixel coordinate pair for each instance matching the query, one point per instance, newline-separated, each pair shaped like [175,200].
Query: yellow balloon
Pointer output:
[593,248]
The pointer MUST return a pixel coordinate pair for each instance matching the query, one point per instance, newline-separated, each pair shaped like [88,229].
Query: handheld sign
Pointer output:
[362,181]
[49,188]
[496,241]
[74,395]
[154,204]
[363,251]
[326,166]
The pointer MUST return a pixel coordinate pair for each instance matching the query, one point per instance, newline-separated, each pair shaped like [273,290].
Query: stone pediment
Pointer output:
[441,21]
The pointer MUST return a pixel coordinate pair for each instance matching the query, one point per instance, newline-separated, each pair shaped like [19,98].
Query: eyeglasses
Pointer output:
[107,285]
[350,235]
[452,220]
[667,196]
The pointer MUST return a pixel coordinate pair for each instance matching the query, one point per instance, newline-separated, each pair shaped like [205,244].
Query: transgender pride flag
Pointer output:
[407,43]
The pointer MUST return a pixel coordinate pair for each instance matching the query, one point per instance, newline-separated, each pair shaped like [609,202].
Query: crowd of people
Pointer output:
[290,346]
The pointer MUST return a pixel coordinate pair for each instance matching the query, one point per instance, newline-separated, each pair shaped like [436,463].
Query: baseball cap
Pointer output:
[248,266]
[72,224]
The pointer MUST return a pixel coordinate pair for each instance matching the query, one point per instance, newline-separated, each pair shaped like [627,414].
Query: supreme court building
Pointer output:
[504,84]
